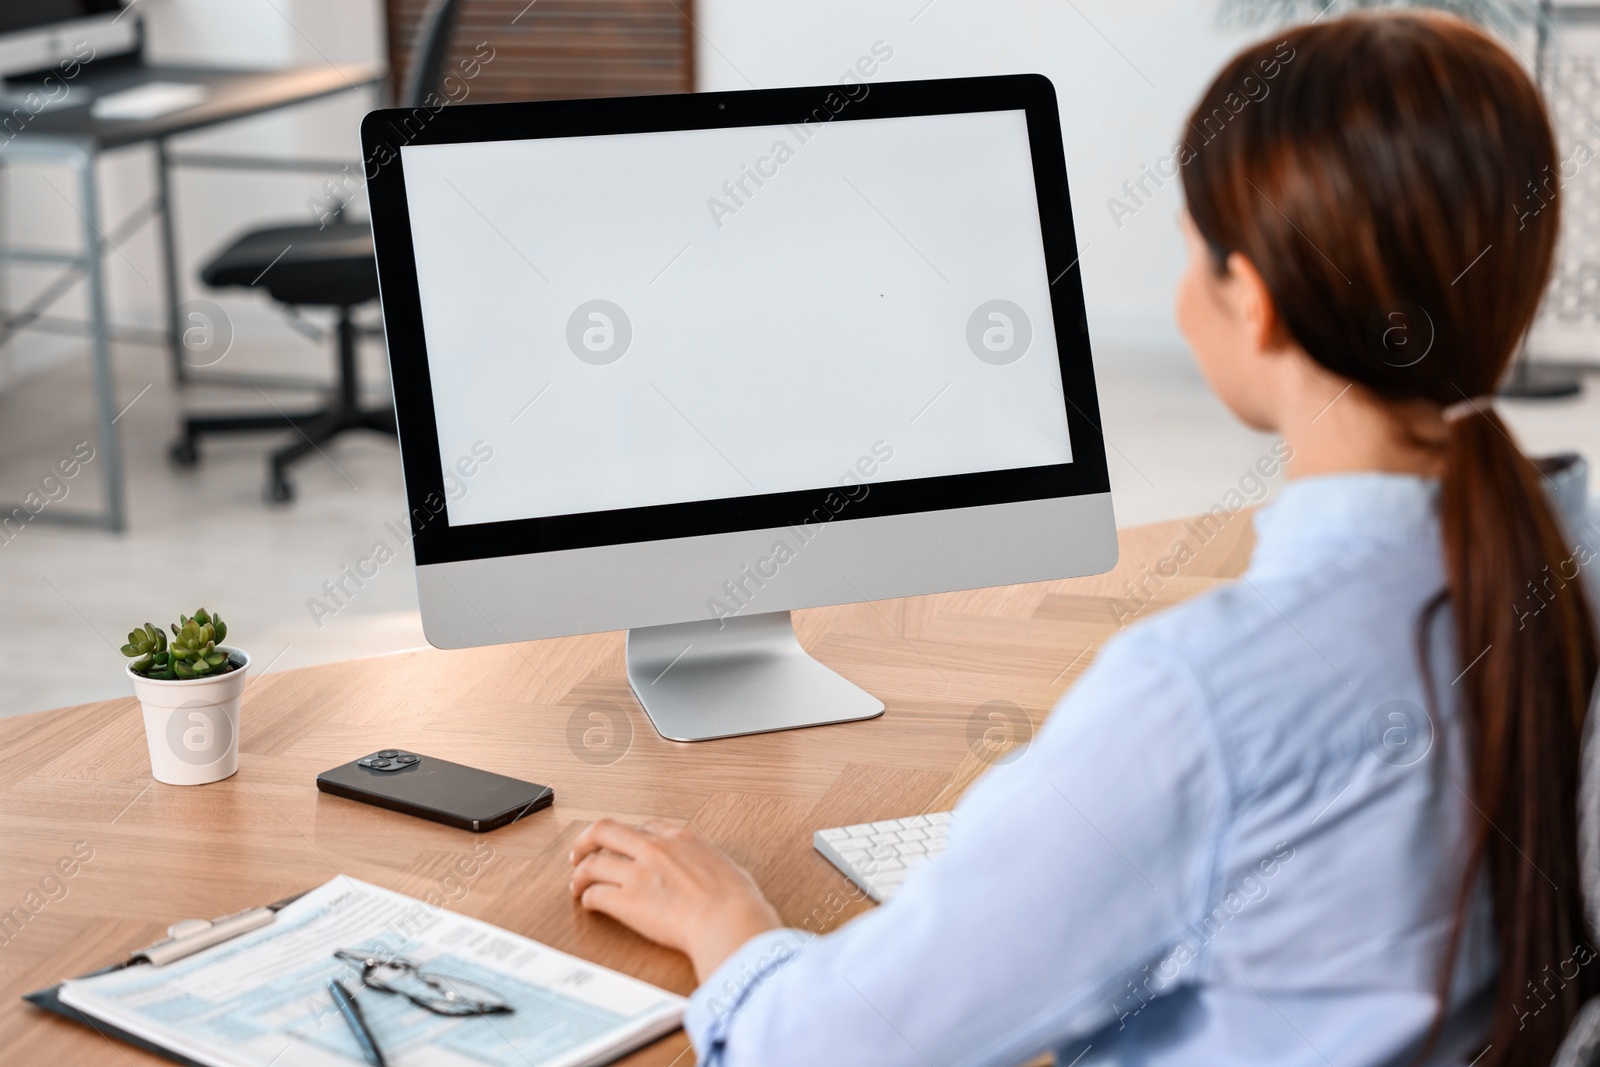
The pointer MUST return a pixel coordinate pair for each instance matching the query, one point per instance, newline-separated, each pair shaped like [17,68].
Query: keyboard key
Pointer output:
[837,834]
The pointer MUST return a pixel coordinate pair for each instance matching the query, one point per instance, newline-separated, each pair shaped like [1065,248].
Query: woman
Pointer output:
[1324,815]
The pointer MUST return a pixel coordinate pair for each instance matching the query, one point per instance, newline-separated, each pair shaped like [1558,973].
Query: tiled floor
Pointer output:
[69,595]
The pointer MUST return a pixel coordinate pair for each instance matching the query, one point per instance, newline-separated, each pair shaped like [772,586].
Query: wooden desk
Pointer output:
[162,853]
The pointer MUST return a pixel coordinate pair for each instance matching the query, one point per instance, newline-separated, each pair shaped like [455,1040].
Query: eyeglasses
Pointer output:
[440,994]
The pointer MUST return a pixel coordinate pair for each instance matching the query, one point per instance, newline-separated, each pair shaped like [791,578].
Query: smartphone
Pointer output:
[429,788]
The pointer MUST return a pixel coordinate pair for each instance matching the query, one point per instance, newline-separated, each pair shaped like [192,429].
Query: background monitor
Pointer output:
[37,35]
[679,365]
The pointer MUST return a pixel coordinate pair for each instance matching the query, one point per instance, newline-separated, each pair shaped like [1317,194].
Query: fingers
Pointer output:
[668,883]
[604,898]
[639,912]
[625,906]
[614,836]
[601,867]
[611,835]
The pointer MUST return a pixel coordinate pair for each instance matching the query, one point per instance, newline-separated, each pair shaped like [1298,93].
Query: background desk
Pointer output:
[162,853]
[74,136]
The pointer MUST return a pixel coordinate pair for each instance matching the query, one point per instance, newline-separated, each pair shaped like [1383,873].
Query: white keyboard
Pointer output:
[877,856]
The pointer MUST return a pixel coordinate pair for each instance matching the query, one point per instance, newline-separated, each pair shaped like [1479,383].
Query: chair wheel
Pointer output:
[184,452]
[279,491]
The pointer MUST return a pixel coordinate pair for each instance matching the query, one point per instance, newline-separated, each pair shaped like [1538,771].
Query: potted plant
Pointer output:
[189,688]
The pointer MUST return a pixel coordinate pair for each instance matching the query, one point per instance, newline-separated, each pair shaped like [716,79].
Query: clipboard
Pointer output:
[183,939]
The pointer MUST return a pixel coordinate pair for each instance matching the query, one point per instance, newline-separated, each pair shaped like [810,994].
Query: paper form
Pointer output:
[262,999]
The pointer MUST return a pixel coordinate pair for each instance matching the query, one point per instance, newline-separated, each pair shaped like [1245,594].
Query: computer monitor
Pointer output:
[37,35]
[679,365]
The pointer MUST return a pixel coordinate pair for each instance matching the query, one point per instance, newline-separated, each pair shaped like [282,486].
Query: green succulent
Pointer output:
[192,652]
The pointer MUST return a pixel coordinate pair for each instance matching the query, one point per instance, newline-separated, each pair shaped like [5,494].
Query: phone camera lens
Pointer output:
[380,764]
[406,759]
[389,753]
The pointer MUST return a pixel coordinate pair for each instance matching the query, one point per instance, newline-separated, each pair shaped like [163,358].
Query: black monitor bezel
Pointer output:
[384,132]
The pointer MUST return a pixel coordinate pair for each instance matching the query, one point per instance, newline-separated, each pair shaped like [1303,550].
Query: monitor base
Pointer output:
[740,675]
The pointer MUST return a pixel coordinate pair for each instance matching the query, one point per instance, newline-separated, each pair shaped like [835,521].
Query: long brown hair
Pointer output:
[1393,178]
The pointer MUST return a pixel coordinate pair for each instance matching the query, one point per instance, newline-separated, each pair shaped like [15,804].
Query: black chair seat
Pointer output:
[325,266]
[317,266]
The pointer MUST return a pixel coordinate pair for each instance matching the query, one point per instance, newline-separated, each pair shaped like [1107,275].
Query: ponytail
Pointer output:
[1525,681]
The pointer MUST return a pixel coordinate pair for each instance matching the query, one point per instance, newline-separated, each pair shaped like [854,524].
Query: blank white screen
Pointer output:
[778,330]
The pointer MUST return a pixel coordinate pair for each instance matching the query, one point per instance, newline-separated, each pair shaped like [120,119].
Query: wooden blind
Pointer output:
[560,49]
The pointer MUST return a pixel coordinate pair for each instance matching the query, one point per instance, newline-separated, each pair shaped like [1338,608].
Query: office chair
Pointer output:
[318,265]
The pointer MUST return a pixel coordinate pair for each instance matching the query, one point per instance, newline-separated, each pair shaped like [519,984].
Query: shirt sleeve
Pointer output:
[1072,881]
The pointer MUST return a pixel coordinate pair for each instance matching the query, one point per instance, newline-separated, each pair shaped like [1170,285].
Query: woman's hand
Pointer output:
[671,885]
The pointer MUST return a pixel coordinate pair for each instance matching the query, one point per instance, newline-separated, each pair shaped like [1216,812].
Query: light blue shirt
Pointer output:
[1235,841]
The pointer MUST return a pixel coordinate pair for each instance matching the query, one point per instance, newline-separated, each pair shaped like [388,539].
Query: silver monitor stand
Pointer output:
[739,675]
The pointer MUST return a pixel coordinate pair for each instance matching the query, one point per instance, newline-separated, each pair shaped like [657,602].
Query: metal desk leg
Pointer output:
[110,450]
[169,261]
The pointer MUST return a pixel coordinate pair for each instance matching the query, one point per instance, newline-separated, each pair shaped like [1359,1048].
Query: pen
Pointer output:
[358,1025]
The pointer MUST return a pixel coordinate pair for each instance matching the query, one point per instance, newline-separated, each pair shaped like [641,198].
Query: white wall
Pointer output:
[1126,73]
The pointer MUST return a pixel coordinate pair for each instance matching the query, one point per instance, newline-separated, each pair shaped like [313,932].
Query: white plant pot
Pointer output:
[192,726]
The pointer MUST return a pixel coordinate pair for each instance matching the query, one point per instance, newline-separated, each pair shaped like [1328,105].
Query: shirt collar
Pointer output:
[1355,514]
